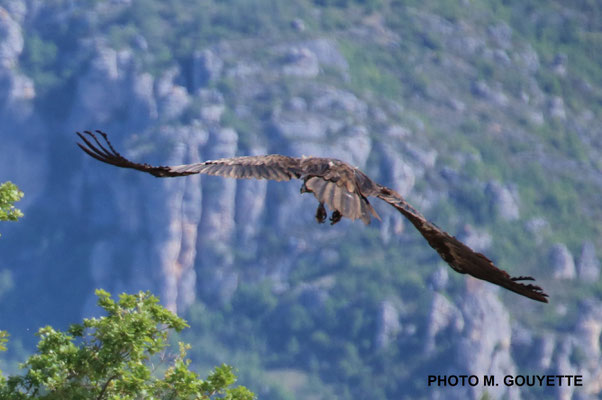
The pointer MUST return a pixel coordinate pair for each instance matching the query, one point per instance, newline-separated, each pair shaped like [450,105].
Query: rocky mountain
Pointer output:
[486,115]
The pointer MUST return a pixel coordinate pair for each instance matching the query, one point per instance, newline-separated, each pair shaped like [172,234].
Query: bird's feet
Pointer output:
[321,213]
[335,217]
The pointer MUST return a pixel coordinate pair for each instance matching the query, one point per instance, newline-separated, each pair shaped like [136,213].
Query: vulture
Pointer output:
[342,187]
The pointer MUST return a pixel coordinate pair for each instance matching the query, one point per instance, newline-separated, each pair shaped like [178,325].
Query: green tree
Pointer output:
[9,193]
[113,357]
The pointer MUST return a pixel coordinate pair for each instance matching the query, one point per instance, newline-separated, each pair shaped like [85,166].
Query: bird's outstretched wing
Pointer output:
[273,167]
[458,255]
[331,181]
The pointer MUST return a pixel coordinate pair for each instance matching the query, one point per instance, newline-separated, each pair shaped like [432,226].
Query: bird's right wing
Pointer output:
[458,255]
[273,167]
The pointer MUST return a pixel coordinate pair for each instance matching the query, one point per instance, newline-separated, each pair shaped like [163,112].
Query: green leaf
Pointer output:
[9,193]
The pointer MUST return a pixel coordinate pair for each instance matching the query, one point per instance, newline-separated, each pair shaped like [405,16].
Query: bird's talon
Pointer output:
[321,213]
[335,217]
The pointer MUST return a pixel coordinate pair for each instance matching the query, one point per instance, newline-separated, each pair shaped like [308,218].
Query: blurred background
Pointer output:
[486,115]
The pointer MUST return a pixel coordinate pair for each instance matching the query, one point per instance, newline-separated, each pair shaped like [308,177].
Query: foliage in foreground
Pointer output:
[110,358]
[9,193]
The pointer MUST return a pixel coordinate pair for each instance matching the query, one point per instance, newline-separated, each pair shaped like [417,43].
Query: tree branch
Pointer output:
[105,386]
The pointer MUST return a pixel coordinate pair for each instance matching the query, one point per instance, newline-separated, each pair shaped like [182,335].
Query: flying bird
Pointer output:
[342,187]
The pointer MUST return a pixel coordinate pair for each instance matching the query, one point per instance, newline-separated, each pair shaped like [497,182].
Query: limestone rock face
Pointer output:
[485,341]
[328,54]
[207,68]
[504,200]
[444,319]
[115,84]
[479,330]
[302,62]
[20,124]
[11,45]
[562,262]
[588,267]
[476,240]
[308,93]
[388,325]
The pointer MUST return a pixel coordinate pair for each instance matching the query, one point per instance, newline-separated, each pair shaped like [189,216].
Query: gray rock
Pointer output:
[388,324]
[562,262]
[559,64]
[443,317]
[522,337]
[439,279]
[501,57]
[538,226]
[587,332]
[333,100]
[172,99]
[100,91]
[17,9]
[143,107]
[494,95]
[503,200]
[242,70]
[545,346]
[425,157]
[215,261]
[182,210]
[535,117]
[395,171]
[456,104]
[206,68]
[296,104]
[468,45]
[484,344]
[435,23]
[556,108]
[353,145]
[218,208]
[398,132]
[300,61]
[213,105]
[313,297]
[562,365]
[298,25]
[301,127]
[588,266]
[452,176]
[328,54]
[501,34]
[477,240]
[24,135]
[163,257]
[250,203]
[139,42]
[17,93]
[11,44]
[529,59]
[392,226]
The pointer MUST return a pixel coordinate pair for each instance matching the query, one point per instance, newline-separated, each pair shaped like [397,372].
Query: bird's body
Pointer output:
[342,187]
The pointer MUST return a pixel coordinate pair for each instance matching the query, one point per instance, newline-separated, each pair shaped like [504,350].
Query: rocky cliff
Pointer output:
[490,133]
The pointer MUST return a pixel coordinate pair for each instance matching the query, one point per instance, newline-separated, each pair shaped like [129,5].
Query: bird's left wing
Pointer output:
[458,255]
[273,167]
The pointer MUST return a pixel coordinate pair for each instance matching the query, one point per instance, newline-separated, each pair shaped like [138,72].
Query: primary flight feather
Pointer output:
[342,187]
